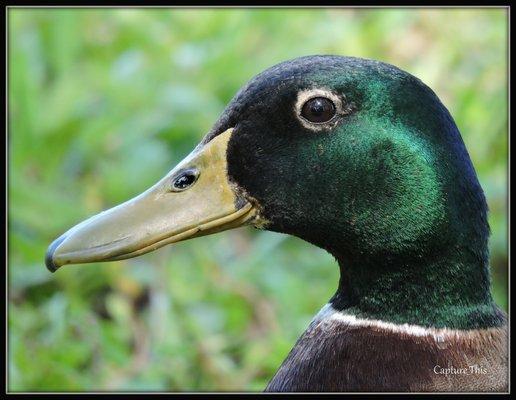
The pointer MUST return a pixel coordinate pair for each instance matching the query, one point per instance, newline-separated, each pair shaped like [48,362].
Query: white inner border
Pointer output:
[304,95]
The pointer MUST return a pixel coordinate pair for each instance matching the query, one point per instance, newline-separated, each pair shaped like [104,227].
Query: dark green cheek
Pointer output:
[394,198]
[383,194]
[383,211]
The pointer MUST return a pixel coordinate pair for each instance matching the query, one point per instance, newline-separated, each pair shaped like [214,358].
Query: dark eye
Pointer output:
[318,110]
[184,180]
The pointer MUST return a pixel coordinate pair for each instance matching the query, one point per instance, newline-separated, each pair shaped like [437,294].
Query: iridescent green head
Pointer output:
[352,155]
[362,159]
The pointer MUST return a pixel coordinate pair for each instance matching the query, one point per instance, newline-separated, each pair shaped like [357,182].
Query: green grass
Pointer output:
[103,102]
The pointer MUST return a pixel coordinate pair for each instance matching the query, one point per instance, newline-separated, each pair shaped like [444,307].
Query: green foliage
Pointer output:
[104,102]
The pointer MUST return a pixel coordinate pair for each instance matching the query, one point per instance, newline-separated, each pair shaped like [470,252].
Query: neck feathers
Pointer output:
[444,292]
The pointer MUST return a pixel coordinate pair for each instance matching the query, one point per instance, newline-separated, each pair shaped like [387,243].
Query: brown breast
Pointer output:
[335,356]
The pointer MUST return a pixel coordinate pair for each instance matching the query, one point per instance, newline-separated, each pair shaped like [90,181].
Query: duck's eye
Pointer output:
[318,110]
[184,180]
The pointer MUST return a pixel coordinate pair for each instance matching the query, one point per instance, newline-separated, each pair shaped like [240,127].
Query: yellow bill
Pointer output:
[196,198]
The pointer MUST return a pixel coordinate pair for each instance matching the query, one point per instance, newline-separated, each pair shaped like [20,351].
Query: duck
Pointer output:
[363,160]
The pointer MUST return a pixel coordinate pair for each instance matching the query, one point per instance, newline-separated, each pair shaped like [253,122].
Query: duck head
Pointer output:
[352,155]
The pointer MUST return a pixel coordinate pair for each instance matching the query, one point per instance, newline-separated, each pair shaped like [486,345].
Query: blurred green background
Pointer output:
[104,102]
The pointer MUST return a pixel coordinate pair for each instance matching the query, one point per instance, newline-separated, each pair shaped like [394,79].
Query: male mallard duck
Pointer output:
[363,160]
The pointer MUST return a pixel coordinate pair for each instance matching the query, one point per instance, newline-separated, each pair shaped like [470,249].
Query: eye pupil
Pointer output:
[186,179]
[318,109]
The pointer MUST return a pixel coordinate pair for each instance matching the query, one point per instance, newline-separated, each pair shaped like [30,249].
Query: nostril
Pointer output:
[184,180]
